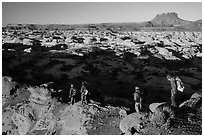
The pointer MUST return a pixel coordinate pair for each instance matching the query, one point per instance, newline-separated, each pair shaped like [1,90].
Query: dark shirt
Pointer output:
[72,92]
[137,97]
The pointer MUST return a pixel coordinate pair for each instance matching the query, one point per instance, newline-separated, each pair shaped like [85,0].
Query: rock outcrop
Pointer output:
[22,123]
[153,106]
[133,123]
[41,114]
[72,120]
[162,114]
[39,95]
[194,102]
[7,86]
[167,19]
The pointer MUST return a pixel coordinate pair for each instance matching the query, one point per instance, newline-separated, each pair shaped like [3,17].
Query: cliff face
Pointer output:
[172,20]
[168,19]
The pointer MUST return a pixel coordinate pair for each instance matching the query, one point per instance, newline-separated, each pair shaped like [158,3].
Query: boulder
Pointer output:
[28,50]
[7,85]
[72,120]
[47,122]
[153,106]
[93,110]
[123,113]
[196,95]
[39,95]
[7,123]
[134,120]
[162,114]
[194,102]
[22,123]
[162,51]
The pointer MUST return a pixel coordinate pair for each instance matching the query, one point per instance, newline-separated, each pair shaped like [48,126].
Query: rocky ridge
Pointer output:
[42,115]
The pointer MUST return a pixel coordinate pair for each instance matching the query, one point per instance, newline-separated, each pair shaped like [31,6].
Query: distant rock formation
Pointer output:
[172,20]
[167,19]
[161,20]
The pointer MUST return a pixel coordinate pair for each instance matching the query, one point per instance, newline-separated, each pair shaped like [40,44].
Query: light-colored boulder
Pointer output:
[27,42]
[46,122]
[153,106]
[197,95]
[28,50]
[93,110]
[162,114]
[72,120]
[194,102]
[123,113]
[22,123]
[133,120]
[39,95]
[7,123]
[7,85]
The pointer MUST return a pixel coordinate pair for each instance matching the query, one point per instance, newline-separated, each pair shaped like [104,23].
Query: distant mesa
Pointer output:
[167,19]
[170,20]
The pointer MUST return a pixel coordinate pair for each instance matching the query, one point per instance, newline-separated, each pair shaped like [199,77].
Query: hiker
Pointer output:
[180,85]
[138,99]
[72,94]
[84,93]
[174,90]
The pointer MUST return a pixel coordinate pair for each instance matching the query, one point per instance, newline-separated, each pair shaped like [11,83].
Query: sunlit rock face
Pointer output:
[7,86]
[39,95]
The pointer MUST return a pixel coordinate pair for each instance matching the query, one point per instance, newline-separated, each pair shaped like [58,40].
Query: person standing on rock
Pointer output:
[138,99]
[173,90]
[84,93]
[72,94]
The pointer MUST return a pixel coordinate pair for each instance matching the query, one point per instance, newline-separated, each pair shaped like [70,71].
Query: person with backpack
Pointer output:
[176,85]
[72,94]
[180,85]
[138,99]
[84,93]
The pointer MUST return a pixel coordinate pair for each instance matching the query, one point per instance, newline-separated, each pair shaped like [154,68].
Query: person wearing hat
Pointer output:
[138,99]
[72,94]
[84,93]
[173,90]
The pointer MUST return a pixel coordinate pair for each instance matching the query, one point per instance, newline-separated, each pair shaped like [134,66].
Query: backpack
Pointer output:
[86,92]
[74,92]
[180,85]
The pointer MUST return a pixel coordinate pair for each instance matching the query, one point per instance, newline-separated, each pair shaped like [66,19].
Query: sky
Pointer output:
[94,12]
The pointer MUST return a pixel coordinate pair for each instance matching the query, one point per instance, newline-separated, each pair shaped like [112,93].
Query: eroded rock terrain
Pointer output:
[39,65]
[40,114]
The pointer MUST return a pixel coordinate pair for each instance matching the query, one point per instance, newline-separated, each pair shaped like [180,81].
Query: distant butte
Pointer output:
[166,21]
